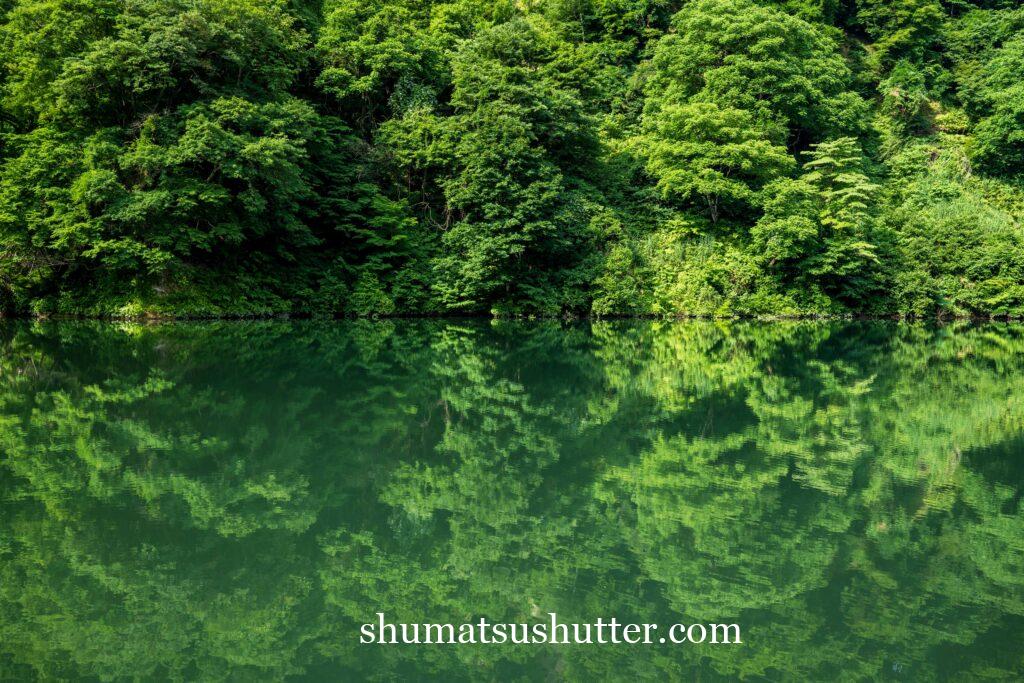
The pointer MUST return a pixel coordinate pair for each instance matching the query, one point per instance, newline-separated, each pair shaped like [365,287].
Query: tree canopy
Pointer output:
[233,157]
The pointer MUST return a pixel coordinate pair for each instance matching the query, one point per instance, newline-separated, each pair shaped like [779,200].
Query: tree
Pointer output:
[787,73]
[998,101]
[380,58]
[512,236]
[169,164]
[169,143]
[712,154]
[819,229]
[906,29]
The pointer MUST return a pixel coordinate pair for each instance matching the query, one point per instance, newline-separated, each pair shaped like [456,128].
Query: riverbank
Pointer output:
[166,318]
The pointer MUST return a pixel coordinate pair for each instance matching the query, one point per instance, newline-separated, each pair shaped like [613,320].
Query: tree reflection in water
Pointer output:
[231,500]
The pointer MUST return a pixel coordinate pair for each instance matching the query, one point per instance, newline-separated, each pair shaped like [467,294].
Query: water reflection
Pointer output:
[230,501]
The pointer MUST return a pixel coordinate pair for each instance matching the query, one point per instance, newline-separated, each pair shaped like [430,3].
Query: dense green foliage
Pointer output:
[705,157]
[229,502]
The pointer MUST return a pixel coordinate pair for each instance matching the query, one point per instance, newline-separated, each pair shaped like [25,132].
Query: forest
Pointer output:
[725,158]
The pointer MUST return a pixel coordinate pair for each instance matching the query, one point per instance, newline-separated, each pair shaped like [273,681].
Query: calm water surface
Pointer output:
[231,501]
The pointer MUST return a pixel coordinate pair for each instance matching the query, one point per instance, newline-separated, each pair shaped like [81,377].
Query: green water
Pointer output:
[231,501]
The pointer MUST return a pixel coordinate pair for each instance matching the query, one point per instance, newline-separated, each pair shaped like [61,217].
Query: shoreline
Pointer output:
[850,317]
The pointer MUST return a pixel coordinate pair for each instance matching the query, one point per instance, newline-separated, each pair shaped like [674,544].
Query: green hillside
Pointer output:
[549,157]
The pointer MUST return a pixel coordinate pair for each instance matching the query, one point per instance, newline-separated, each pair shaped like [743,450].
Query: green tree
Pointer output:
[906,29]
[998,100]
[380,58]
[513,237]
[712,155]
[787,73]
[819,229]
[169,144]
